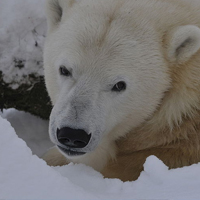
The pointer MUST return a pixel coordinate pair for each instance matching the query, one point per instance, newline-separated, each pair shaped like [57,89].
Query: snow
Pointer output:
[31,129]
[26,176]
[22,33]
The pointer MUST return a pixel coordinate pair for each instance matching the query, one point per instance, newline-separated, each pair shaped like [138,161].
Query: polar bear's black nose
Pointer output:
[73,138]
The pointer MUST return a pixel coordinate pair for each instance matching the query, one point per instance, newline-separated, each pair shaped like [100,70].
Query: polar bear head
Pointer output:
[107,71]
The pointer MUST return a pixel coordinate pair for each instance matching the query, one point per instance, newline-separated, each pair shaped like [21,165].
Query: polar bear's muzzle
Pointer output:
[77,121]
[72,141]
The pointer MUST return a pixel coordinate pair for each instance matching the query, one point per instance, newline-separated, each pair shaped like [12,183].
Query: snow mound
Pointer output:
[25,176]
[22,32]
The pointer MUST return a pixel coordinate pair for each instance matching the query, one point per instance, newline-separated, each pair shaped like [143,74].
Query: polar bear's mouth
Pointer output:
[69,152]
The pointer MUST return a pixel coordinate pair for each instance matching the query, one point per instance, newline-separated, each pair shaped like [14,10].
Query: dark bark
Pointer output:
[29,98]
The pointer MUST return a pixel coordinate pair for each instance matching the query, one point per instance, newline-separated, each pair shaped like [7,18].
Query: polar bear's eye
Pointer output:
[64,71]
[120,86]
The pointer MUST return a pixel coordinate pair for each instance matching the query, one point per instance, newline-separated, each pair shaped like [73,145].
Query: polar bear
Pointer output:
[124,79]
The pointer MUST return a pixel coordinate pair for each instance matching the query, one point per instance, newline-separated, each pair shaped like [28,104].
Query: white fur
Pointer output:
[184,42]
[103,42]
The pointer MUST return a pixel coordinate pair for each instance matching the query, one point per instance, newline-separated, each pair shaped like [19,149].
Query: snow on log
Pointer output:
[22,35]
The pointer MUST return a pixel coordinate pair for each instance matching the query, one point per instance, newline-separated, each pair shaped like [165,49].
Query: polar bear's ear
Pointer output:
[183,43]
[55,10]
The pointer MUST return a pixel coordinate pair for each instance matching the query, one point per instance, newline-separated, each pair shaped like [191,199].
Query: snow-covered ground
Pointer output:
[26,176]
